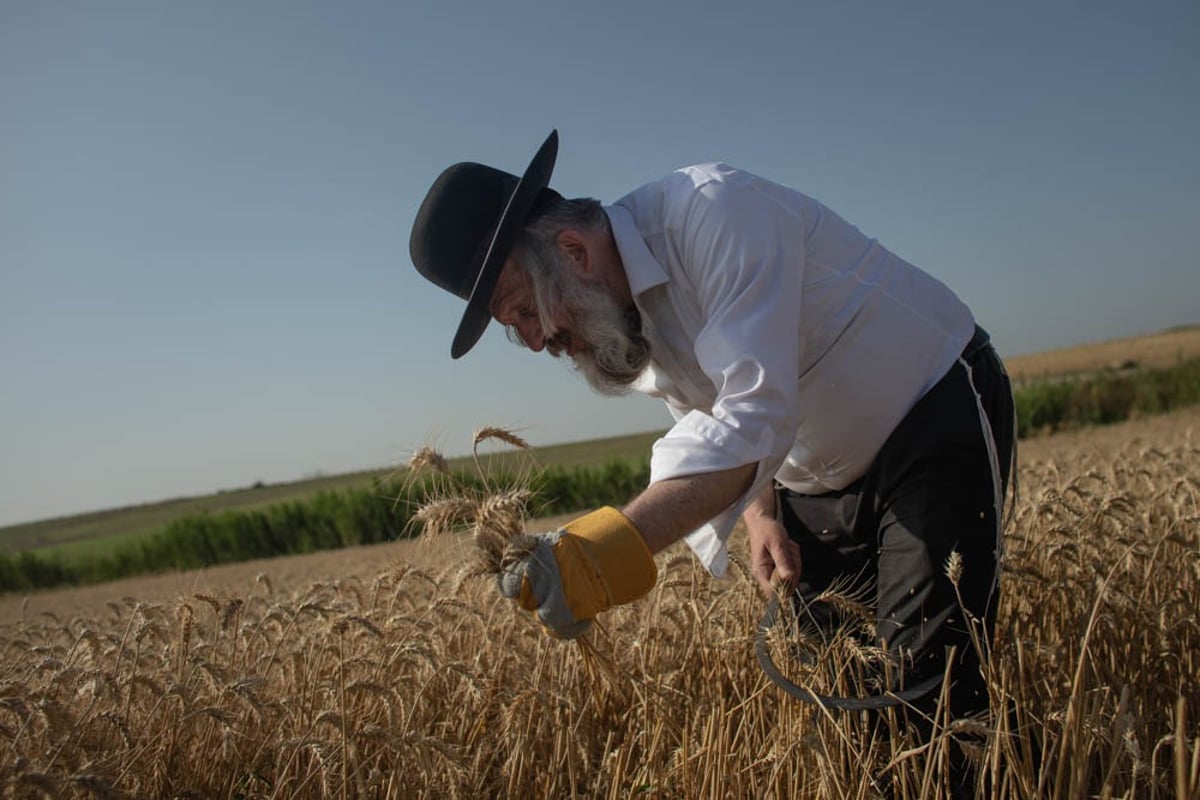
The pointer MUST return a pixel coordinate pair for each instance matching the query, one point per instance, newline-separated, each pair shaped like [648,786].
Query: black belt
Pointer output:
[980,341]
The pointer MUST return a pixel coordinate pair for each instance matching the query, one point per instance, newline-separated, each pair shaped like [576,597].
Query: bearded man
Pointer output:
[843,402]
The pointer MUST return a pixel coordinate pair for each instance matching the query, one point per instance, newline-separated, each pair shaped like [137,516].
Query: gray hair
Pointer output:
[560,213]
[537,246]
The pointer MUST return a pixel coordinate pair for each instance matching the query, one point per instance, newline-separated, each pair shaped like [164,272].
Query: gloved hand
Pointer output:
[589,565]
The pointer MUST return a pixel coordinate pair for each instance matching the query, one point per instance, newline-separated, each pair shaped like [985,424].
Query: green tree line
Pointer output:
[1106,397]
[385,512]
[327,521]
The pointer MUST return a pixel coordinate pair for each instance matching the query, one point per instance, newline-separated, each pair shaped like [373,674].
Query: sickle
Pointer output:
[871,702]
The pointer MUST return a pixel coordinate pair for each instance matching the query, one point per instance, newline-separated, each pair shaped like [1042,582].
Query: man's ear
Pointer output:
[575,248]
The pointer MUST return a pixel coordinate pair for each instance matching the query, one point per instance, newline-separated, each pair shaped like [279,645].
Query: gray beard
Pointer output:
[615,353]
[615,359]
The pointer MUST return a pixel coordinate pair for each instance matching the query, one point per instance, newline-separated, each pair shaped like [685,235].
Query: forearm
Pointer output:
[762,506]
[669,510]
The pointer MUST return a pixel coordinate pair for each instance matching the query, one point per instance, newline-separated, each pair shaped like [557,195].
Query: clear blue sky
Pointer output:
[205,207]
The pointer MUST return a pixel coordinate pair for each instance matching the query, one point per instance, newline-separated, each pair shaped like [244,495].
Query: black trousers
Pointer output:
[937,486]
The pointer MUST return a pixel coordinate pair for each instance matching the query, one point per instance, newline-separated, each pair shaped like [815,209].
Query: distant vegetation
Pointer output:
[382,509]
[98,532]
[1106,397]
[326,521]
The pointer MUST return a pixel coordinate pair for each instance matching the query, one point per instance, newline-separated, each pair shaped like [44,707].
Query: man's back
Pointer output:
[848,335]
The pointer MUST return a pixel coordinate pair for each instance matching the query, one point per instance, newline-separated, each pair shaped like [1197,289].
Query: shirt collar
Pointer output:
[641,267]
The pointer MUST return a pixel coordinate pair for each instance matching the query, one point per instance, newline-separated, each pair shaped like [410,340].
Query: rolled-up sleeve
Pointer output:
[741,255]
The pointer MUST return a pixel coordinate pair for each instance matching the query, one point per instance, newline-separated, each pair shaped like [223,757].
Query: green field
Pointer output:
[84,535]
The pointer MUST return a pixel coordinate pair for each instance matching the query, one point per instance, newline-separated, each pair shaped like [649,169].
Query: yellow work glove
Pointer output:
[589,565]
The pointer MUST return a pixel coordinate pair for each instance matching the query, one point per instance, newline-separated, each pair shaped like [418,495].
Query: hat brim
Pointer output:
[478,313]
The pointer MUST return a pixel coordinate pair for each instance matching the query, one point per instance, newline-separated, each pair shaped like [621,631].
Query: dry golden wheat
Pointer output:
[397,681]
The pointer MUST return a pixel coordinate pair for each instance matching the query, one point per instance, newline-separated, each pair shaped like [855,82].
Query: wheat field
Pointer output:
[1156,350]
[394,676]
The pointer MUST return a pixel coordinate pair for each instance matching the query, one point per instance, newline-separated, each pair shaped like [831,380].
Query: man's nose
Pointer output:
[532,335]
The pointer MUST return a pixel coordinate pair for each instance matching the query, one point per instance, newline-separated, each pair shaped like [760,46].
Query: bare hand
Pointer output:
[774,558]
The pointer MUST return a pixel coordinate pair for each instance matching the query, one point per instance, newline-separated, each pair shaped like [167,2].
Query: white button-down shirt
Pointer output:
[781,335]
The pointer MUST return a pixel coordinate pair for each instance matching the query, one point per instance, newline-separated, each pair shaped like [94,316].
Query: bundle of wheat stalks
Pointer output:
[405,682]
[494,515]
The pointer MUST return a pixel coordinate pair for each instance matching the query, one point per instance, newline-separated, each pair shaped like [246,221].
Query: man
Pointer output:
[840,400]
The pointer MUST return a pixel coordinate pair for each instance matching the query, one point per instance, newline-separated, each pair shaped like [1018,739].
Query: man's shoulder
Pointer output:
[683,188]
[696,176]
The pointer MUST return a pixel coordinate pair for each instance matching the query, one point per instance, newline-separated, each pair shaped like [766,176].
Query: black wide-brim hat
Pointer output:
[466,227]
